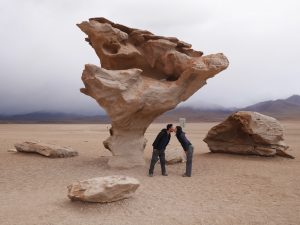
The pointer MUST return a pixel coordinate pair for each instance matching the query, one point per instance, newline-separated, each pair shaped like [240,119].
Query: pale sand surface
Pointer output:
[224,189]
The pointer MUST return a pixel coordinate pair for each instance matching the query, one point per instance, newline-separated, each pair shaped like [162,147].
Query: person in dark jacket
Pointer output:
[188,149]
[159,146]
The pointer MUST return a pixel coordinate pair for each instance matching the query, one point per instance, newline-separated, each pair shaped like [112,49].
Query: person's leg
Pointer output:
[163,163]
[189,160]
[154,160]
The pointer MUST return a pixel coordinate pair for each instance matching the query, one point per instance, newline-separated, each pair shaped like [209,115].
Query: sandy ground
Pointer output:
[224,189]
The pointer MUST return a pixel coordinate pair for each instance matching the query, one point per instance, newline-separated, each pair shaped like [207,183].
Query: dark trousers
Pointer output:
[155,155]
[189,160]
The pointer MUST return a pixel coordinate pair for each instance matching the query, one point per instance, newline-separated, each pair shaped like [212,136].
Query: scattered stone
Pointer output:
[250,133]
[103,189]
[174,156]
[49,150]
[12,150]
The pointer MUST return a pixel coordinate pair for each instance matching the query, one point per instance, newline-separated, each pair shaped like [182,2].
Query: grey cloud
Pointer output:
[43,52]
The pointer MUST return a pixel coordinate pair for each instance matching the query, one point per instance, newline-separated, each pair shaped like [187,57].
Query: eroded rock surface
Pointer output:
[49,150]
[250,133]
[142,75]
[103,189]
[174,155]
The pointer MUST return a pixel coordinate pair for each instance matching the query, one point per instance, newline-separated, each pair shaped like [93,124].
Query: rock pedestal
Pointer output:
[249,133]
[142,75]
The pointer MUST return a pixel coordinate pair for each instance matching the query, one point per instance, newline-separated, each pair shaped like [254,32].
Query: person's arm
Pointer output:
[179,138]
[157,139]
[184,141]
[169,137]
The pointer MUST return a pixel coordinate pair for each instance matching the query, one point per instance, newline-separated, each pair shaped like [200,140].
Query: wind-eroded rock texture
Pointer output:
[103,189]
[249,133]
[48,150]
[142,75]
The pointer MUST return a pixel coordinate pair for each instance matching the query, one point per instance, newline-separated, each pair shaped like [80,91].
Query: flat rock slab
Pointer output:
[49,150]
[103,189]
[249,133]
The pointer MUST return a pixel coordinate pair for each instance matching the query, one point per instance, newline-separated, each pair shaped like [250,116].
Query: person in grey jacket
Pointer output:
[188,149]
[159,146]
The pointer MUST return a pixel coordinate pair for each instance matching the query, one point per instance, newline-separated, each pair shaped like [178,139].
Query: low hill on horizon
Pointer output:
[50,117]
[282,109]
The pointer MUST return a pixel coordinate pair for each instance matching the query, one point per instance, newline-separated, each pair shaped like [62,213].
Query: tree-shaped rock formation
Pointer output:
[142,75]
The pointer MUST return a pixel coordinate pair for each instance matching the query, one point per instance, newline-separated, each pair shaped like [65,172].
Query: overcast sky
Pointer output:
[42,52]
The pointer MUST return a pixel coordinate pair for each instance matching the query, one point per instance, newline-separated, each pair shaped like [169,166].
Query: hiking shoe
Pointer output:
[185,175]
[165,174]
[150,174]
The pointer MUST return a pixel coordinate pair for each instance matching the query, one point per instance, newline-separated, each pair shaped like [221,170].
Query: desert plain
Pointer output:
[224,189]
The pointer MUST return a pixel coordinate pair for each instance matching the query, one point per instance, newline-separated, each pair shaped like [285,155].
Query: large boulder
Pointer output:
[142,75]
[247,132]
[174,155]
[49,150]
[103,189]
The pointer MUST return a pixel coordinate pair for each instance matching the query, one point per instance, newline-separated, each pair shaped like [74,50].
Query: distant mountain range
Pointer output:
[48,117]
[282,109]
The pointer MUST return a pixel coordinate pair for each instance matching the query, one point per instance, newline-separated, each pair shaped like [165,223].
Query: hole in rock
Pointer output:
[111,47]
[158,75]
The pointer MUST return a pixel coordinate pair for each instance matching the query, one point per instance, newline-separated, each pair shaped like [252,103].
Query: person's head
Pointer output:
[178,130]
[170,127]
